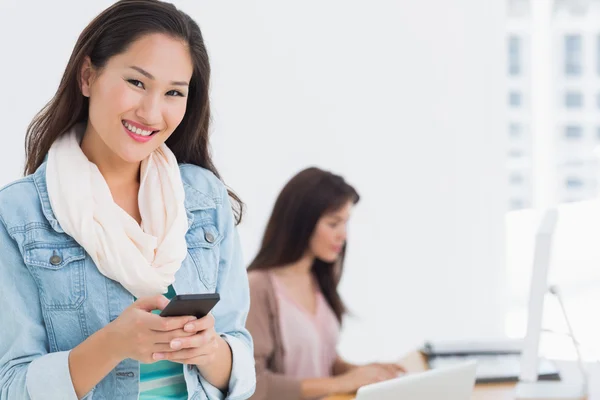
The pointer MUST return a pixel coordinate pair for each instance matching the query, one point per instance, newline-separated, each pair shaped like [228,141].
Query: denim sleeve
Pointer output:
[27,370]
[232,310]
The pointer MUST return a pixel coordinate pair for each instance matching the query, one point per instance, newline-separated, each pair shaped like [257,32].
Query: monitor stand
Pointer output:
[570,387]
[549,391]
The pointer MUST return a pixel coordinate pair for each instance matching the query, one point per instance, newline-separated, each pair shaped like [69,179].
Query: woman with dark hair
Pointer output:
[122,208]
[296,310]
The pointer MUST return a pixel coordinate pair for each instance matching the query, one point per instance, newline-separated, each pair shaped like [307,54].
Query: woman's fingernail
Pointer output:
[192,319]
[189,328]
[176,344]
[158,356]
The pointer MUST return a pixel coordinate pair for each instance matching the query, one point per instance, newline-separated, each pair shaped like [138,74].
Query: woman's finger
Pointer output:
[201,324]
[167,337]
[200,339]
[180,355]
[390,370]
[166,324]
[162,348]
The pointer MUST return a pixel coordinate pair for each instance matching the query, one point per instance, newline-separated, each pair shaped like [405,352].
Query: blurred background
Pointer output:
[458,122]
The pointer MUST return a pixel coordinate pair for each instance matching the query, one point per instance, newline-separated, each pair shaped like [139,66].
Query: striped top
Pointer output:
[162,379]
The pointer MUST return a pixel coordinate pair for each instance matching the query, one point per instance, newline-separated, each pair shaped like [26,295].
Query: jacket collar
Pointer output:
[194,199]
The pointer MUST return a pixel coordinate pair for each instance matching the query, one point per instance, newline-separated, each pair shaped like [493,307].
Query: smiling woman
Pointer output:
[122,209]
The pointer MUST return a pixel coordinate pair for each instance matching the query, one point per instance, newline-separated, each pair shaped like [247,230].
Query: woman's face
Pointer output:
[329,236]
[139,97]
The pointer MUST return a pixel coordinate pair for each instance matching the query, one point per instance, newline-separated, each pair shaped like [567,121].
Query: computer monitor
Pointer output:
[537,293]
[529,387]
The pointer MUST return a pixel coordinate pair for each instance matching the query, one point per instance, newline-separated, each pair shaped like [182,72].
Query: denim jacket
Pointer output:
[52,296]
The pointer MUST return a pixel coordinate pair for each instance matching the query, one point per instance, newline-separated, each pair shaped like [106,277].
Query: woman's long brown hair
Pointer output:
[302,202]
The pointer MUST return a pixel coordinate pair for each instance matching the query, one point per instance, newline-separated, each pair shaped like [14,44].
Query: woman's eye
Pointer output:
[136,83]
[175,93]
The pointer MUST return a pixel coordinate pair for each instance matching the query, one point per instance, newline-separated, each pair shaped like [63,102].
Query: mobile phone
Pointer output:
[197,305]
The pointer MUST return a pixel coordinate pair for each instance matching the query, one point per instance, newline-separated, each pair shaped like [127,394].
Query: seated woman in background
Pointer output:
[295,310]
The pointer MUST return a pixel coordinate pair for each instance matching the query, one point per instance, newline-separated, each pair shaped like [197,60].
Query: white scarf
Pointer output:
[144,259]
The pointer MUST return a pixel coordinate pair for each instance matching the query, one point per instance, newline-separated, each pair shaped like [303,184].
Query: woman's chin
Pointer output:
[329,258]
[133,157]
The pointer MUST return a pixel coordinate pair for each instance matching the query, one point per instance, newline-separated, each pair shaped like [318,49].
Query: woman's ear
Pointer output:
[86,76]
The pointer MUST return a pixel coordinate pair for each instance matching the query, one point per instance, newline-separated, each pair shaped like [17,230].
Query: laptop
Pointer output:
[449,383]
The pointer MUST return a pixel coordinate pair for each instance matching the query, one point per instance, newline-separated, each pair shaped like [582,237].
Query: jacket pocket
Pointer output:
[58,269]
[203,246]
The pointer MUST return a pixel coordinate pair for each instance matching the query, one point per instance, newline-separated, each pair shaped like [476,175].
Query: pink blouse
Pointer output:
[309,340]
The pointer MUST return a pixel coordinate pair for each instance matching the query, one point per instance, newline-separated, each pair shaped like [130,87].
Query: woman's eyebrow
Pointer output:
[150,76]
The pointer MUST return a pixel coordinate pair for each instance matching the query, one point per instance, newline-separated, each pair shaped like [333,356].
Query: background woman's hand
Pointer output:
[393,368]
[352,380]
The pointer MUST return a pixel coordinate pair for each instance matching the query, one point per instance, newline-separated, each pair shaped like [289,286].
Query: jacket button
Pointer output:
[55,260]
[209,237]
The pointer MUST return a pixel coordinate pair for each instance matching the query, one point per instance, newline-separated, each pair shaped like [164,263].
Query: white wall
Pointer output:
[401,97]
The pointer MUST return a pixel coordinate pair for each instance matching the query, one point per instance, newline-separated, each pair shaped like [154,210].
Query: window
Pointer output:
[598,55]
[574,183]
[598,100]
[516,179]
[514,56]
[518,8]
[573,132]
[573,55]
[514,130]
[516,204]
[574,162]
[570,200]
[573,100]
[514,99]
[598,133]
[515,153]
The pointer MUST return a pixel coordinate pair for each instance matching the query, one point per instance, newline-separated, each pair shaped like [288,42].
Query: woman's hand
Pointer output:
[351,381]
[393,368]
[200,348]
[138,334]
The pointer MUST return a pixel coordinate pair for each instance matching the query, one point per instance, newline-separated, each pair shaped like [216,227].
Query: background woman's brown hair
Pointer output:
[109,34]
[302,202]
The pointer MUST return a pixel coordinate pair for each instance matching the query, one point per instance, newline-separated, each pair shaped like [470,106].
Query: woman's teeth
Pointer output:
[137,131]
